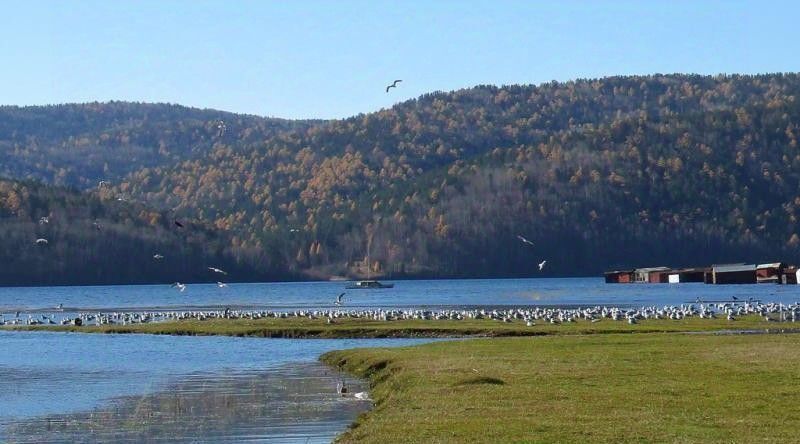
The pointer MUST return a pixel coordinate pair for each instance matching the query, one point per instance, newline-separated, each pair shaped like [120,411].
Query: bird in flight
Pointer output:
[158,257]
[221,284]
[221,128]
[44,220]
[96,225]
[541,265]
[41,241]
[339,299]
[178,223]
[217,270]
[525,241]
[393,85]
[179,286]
[102,183]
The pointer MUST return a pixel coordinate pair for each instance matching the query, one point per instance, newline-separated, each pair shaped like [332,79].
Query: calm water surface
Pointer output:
[72,387]
[427,293]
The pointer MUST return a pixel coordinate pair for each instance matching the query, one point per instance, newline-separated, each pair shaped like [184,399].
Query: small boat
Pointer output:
[369,284]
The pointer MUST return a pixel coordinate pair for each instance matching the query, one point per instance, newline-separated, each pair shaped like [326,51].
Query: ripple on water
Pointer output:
[291,403]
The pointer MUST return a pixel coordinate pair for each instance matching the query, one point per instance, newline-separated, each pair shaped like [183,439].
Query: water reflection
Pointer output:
[292,403]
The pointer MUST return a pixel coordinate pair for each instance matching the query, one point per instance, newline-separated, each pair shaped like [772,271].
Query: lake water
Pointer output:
[72,387]
[423,293]
[68,387]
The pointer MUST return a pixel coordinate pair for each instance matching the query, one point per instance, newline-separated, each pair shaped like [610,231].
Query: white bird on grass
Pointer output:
[217,270]
[541,265]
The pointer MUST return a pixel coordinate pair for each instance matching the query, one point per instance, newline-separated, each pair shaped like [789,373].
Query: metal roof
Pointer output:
[649,269]
[733,268]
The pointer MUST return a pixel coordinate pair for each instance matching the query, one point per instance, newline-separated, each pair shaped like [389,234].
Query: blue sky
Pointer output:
[332,59]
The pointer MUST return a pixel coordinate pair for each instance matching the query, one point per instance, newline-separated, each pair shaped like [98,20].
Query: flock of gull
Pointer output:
[530,316]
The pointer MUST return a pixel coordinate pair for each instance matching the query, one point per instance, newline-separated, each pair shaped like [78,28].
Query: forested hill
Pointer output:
[85,240]
[80,144]
[620,171]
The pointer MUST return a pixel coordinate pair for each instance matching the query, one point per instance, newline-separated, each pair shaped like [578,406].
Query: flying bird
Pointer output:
[44,220]
[339,299]
[96,225]
[178,224]
[179,286]
[221,128]
[525,241]
[102,183]
[393,85]
[217,270]
[221,284]
[158,257]
[41,241]
[541,265]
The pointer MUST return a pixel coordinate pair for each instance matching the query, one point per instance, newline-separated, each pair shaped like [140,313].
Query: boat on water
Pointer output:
[368,284]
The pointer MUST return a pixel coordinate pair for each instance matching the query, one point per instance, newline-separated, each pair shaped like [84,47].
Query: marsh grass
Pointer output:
[592,388]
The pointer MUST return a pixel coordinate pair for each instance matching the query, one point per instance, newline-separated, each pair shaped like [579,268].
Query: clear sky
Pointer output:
[333,58]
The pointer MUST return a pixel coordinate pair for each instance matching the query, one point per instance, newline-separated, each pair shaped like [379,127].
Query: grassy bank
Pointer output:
[363,328]
[593,388]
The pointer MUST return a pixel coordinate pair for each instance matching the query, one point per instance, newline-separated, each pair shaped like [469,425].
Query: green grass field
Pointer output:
[364,328]
[613,388]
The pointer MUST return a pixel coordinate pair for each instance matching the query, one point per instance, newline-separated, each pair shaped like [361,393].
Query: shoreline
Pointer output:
[361,328]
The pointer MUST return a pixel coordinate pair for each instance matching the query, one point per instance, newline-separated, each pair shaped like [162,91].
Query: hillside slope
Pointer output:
[91,241]
[620,171]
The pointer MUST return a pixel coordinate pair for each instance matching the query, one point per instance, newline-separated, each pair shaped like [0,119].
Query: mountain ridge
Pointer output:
[601,173]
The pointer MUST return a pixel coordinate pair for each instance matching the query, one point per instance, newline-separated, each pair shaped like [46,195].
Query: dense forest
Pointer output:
[612,172]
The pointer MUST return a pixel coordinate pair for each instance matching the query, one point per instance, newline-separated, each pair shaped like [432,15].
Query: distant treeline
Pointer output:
[613,172]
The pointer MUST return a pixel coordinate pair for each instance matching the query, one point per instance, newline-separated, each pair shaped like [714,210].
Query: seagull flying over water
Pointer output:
[217,270]
[158,257]
[221,284]
[541,265]
[179,286]
[339,299]
[524,241]
[41,241]
[393,85]
[44,220]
